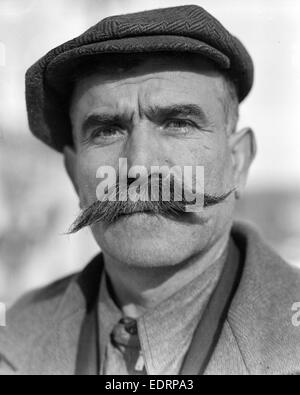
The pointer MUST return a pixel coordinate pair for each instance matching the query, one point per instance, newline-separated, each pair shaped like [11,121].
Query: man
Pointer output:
[174,291]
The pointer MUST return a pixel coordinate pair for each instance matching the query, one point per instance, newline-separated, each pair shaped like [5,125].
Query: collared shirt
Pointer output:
[165,332]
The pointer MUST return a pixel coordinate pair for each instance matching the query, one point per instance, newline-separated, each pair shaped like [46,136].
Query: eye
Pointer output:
[106,132]
[179,124]
[180,127]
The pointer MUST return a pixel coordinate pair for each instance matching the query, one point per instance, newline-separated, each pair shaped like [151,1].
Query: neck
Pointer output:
[139,289]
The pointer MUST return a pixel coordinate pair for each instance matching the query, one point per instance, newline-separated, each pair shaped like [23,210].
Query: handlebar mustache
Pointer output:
[110,210]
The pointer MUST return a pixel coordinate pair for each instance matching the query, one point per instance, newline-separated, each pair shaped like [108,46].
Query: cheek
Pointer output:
[88,165]
[218,171]
[214,155]
[87,184]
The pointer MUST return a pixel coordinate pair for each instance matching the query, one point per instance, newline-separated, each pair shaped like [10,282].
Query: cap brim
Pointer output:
[59,69]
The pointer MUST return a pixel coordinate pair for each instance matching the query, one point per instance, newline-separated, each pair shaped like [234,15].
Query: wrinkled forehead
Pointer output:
[163,77]
[117,68]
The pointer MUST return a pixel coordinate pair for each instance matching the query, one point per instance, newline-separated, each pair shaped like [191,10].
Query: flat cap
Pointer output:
[178,29]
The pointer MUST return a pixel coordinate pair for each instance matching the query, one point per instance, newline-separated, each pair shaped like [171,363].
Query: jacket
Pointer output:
[259,335]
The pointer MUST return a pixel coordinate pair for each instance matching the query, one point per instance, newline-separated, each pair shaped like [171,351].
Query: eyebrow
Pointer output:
[178,110]
[98,119]
[154,112]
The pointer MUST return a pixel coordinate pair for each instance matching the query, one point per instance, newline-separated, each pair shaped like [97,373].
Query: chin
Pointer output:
[149,241]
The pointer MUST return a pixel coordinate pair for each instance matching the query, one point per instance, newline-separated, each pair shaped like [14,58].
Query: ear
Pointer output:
[243,151]
[70,162]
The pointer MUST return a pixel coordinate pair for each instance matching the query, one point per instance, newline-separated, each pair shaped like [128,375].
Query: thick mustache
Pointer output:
[109,211]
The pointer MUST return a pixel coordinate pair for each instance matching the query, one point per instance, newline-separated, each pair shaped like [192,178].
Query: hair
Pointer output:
[122,63]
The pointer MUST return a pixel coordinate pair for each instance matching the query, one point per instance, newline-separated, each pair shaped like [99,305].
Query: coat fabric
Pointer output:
[259,336]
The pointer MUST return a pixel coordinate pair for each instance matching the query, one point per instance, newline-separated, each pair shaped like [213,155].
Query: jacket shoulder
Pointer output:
[41,315]
[29,317]
[40,304]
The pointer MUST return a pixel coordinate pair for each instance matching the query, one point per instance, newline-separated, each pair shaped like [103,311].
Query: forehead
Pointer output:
[160,80]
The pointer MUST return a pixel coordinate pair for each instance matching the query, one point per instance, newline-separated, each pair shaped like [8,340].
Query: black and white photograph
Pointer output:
[149,190]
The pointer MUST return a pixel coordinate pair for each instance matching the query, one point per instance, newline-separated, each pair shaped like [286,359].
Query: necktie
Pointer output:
[125,337]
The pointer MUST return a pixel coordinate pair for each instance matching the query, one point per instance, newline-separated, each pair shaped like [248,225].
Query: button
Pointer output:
[130,325]
[125,333]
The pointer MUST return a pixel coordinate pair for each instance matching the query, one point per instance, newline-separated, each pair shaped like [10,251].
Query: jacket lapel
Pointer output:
[258,335]
[227,359]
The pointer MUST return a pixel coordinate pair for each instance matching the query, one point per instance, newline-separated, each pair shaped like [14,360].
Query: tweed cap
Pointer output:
[178,29]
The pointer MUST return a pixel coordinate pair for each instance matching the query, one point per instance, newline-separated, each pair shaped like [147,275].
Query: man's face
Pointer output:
[164,114]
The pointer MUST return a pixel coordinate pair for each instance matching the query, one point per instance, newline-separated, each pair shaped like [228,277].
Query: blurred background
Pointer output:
[37,202]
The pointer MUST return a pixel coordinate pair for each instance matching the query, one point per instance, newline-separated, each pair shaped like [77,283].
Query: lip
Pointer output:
[137,213]
[137,218]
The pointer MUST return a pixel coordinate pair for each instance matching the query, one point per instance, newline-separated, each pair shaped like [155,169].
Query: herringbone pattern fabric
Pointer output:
[178,29]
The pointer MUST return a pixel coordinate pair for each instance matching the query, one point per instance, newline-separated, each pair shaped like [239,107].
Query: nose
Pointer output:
[143,148]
